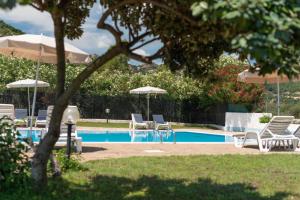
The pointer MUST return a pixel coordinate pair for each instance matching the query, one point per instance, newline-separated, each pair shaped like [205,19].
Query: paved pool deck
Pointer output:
[201,130]
[96,151]
[105,150]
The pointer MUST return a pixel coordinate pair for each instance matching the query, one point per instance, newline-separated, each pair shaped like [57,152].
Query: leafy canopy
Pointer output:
[115,78]
[194,33]
[263,30]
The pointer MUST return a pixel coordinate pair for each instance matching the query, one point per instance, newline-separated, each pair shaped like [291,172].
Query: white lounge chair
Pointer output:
[159,123]
[41,118]
[21,116]
[296,132]
[7,110]
[275,131]
[137,122]
[62,140]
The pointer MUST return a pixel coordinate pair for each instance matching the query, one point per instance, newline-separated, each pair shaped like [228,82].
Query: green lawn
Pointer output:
[126,125]
[253,177]
[103,125]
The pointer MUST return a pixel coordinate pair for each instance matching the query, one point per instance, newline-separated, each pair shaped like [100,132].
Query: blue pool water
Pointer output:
[141,136]
[35,135]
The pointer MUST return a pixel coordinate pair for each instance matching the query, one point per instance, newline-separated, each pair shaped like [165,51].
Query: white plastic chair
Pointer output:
[159,123]
[275,131]
[137,122]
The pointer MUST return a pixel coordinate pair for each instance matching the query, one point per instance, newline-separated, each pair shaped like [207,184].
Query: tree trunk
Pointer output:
[59,34]
[56,171]
[44,149]
[42,153]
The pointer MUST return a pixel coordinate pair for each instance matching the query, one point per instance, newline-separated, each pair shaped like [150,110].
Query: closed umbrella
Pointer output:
[148,90]
[39,48]
[27,83]
[253,77]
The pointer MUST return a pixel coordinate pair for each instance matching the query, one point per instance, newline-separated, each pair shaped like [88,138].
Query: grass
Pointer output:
[103,125]
[259,177]
[126,125]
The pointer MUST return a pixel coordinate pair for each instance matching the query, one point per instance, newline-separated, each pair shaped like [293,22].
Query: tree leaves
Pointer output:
[267,32]
[232,15]
[199,7]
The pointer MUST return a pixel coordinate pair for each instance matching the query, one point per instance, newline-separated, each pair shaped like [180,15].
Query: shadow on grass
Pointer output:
[145,187]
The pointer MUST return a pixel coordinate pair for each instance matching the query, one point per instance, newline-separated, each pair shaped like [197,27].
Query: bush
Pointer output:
[264,119]
[14,163]
[295,110]
[68,164]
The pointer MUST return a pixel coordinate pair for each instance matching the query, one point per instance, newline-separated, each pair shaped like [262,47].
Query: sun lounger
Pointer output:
[275,131]
[7,110]
[41,118]
[137,122]
[296,131]
[62,140]
[159,123]
[21,116]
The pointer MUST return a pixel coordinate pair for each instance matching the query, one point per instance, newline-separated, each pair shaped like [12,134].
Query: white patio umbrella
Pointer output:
[148,90]
[39,48]
[253,77]
[27,83]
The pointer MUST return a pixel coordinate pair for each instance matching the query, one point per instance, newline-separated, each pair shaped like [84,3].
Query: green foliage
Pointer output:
[7,4]
[265,119]
[289,98]
[267,31]
[14,164]
[293,110]
[66,164]
[6,29]
[115,82]
[115,78]
[226,60]
[75,14]
[13,69]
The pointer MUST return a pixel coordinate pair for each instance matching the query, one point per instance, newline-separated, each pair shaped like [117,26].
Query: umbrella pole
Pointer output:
[28,95]
[278,96]
[35,88]
[148,102]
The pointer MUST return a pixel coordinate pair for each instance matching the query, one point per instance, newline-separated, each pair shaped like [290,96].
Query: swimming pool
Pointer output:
[142,136]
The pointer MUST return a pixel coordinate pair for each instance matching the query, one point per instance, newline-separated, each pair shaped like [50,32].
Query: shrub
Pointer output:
[264,119]
[295,110]
[68,164]
[223,86]
[14,163]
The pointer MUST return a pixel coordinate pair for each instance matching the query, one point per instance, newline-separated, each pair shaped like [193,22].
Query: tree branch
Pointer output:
[39,5]
[144,59]
[138,38]
[62,3]
[157,54]
[117,35]
[131,36]
[116,25]
[144,44]
[153,2]
[91,68]
[36,7]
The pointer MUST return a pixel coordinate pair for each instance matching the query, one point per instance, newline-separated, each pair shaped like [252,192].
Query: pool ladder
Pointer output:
[161,132]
